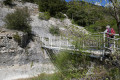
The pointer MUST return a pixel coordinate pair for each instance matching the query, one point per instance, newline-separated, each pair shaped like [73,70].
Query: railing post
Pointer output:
[51,42]
[54,41]
[42,40]
[114,43]
[104,38]
[60,42]
[67,43]
[83,42]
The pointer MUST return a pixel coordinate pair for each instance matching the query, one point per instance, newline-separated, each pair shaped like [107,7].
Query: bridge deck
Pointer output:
[96,44]
[92,51]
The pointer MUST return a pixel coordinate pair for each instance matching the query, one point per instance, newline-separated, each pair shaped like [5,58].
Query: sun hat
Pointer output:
[107,26]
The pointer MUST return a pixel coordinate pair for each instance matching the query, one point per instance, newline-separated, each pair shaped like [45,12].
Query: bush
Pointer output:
[54,30]
[100,25]
[52,6]
[32,1]
[19,20]
[7,2]
[71,61]
[60,16]
[44,16]
[17,38]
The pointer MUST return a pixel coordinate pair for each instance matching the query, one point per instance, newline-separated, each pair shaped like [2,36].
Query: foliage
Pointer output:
[52,6]
[100,26]
[19,20]
[60,16]
[28,1]
[54,30]
[44,16]
[7,2]
[17,38]
[43,76]
[114,74]
[75,66]
[84,13]
[71,61]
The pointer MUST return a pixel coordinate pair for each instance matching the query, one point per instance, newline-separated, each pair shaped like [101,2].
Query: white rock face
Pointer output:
[32,60]
[3,13]
[16,62]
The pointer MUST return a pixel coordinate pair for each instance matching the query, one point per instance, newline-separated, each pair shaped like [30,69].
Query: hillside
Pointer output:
[32,60]
[94,18]
[57,40]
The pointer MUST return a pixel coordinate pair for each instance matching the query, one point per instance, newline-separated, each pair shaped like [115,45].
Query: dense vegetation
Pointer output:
[94,18]
[44,16]
[54,30]
[83,13]
[76,65]
[7,2]
[28,1]
[19,20]
[52,6]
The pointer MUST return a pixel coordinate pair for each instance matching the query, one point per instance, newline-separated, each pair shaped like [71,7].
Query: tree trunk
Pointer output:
[117,17]
[118,25]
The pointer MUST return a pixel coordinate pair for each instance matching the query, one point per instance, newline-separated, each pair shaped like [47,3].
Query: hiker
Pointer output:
[110,34]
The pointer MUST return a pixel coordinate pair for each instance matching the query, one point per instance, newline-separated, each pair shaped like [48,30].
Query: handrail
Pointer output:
[110,33]
[99,42]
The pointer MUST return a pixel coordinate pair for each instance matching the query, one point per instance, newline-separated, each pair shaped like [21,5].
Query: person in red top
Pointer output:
[110,34]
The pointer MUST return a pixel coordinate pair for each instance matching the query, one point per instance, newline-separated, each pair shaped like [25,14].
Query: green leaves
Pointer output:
[54,30]
[7,2]
[44,16]
[52,6]
[84,13]
[19,20]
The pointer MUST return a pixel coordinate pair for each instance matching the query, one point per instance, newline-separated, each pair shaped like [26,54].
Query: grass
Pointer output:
[68,64]
[17,38]
[54,30]
[44,16]
[32,63]
[43,76]
[73,65]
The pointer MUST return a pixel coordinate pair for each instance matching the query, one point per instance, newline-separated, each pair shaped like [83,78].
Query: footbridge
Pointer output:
[96,44]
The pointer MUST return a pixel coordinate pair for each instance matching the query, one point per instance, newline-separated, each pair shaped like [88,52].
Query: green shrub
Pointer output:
[28,1]
[71,60]
[17,38]
[114,73]
[54,30]
[19,20]
[100,26]
[60,16]
[52,6]
[7,2]
[44,16]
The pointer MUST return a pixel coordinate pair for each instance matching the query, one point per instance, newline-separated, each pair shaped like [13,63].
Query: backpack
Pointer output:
[112,31]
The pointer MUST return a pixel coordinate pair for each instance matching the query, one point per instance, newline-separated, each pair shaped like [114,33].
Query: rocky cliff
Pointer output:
[17,62]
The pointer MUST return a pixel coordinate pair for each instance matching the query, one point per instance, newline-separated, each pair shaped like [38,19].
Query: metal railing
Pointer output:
[95,41]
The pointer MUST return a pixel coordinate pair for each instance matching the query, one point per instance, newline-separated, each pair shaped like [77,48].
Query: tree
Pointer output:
[28,1]
[7,2]
[52,6]
[115,13]
[19,20]
[83,13]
